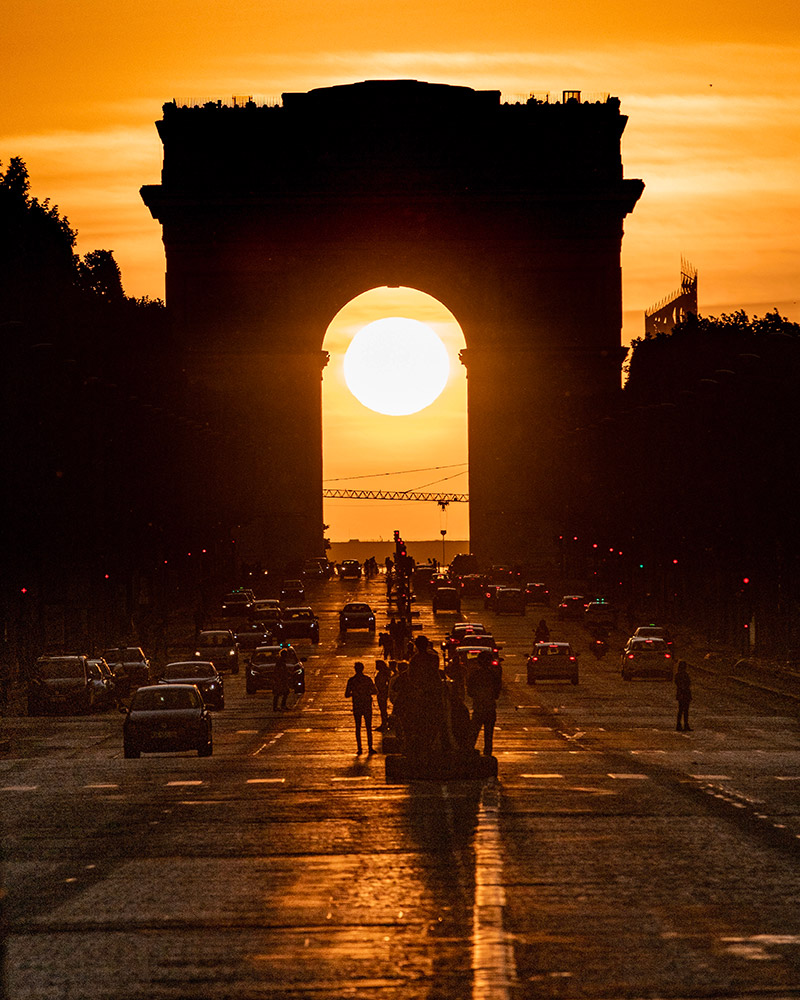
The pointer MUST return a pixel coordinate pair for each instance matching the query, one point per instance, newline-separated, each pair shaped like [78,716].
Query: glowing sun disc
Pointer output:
[396,366]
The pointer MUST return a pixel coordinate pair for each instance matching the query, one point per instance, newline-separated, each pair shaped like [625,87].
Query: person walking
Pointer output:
[542,633]
[280,682]
[382,677]
[361,689]
[483,686]
[683,693]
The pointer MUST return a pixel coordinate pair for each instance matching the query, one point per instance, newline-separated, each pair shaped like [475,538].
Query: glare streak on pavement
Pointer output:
[493,967]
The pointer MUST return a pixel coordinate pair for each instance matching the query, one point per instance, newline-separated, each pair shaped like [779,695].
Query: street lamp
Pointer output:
[443,532]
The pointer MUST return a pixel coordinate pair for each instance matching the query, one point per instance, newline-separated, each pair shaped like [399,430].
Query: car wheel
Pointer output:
[207,749]
[130,753]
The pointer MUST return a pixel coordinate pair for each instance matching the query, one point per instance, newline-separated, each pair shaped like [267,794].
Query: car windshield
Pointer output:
[552,650]
[356,607]
[166,699]
[53,670]
[176,671]
[214,639]
[300,615]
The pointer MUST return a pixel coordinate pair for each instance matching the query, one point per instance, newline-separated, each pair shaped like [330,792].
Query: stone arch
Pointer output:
[510,214]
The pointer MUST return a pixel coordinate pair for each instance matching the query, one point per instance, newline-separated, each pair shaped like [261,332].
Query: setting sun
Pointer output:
[396,366]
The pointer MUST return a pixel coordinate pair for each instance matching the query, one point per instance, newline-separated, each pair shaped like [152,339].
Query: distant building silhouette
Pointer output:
[665,315]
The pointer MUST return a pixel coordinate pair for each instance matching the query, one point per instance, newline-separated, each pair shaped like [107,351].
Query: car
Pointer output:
[654,632]
[131,667]
[466,657]
[571,606]
[537,593]
[483,639]
[471,584]
[292,592]
[261,668]
[446,599]
[106,689]
[356,615]
[253,635]
[203,674]
[262,605]
[552,661]
[350,569]
[647,658]
[458,632]
[421,577]
[600,612]
[218,646]
[66,683]
[167,717]
[313,569]
[300,623]
[509,600]
[464,563]
[237,603]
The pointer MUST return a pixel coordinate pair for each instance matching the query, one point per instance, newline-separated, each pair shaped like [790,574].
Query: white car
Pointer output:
[646,658]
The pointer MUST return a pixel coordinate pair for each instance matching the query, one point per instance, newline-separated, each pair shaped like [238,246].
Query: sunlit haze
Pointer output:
[712,94]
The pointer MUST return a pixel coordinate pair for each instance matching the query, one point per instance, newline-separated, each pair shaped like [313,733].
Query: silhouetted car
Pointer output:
[446,599]
[471,584]
[203,674]
[553,661]
[466,656]
[600,612]
[509,600]
[537,593]
[259,607]
[655,632]
[237,603]
[646,658]
[167,717]
[107,690]
[66,683]
[261,668]
[254,635]
[572,606]
[131,668]
[292,592]
[317,569]
[350,569]
[300,623]
[356,615]
[458,632]
[218,646]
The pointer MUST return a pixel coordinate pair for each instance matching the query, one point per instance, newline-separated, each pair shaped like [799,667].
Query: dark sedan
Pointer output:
[300,623]
[66,683]
[165,718]
[261,669]
[204,675]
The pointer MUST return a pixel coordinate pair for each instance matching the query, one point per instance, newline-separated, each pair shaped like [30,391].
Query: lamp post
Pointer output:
[443,532]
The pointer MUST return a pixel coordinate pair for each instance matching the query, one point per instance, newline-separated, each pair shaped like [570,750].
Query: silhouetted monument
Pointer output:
[665,315]
[509,214]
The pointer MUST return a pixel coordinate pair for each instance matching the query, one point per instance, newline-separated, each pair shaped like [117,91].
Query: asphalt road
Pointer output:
[614,856]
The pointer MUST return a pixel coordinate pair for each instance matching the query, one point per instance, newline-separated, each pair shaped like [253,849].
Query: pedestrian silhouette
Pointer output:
[280,682]
[382,677]
[483,686]
[361,689]
[683,693]
[542,633]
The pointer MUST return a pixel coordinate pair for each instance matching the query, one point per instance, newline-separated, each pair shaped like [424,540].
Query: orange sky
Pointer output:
[712,92]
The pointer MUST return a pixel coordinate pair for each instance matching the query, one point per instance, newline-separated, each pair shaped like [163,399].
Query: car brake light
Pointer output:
[630,656]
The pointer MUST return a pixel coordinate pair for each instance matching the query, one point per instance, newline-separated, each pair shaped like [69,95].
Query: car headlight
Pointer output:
[231,652]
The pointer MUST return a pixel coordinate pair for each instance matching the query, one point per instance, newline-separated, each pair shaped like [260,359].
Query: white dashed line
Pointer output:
[628,777]
[711,777]
[541,775]
[101,786]
[171,784]
[19,788]
[358,777]
[265,781]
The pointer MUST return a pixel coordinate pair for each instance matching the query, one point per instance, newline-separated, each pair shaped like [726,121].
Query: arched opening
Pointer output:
[424,451]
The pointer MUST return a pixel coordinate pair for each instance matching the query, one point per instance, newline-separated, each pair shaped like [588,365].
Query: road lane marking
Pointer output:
[357,777]
[177,783]
[493,965]
[711,777]
[19,788]
[541,775]
[101,786]
[265,781]
[246,732]
[627,777]
[787,777]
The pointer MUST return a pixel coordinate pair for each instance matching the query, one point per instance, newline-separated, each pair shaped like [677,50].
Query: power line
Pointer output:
[404,472]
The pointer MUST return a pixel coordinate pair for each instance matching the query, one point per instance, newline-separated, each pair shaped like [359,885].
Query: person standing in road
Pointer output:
[683,692]
[382,678]
[483,686]
[361,689]
[280,682]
